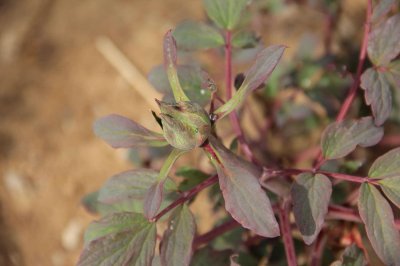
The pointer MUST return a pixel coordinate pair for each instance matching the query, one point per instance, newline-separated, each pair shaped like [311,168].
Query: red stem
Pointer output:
[187,195]
[356,82]
[214,233]
[286,231]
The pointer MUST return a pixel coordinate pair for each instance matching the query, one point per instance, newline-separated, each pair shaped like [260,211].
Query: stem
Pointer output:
[187,195]
[318,248]
[286,230]
[356,82]
[172,157]
[214,233]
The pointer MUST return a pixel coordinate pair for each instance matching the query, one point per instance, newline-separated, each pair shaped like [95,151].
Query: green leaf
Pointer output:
[384,41]
[387,165]
[225,13]
[195,82]
[244,40]
[381,9]
[353,256]
[192,177]
[244,198]
[121,132]
[207,257]
[377,94]
[341,138]
[119,239]
[176,247]
[378,218]
[310,195]
[192,35]
[258,73]
[391,187]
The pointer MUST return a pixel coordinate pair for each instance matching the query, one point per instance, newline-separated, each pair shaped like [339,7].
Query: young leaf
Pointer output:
[191,35]
[244,199]
[225,13]
[391,187]
[258,73]
[170,64]
[378,218]
[381,9]
[195,82]
[119,239]
[387,165]
[153,199]
[384,41]
[176,247]
[341,138]
[311,195]
[121,132]
[245,40]
[377,94]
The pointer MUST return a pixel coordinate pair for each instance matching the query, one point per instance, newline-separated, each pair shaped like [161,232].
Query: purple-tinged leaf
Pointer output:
[153,199]
[119,239]
[384,41]
[381,9]
[387,165]
[244,199]
[170,64]
[121,132]
[377,216]
[176,246]
[225,13]
[310,195]
[377,94]
[341,138]
[391,187]
[132,184]
[258,73]
[192,35]
[195,82]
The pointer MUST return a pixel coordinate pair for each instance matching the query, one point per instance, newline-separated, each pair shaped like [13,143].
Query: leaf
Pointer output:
[377,94]
[176,247]
[234,260]
[381,9]
[244,40]
[341,138]
[119,239]
[225,13]
[192,177]
[195,82]
[121,132]
[258,73]
[153,199]
[242,192]
[310,195]
[353,256]
[394,72]
[207,257]
[391,187]
[191,35]
[384,41]
[387,165]
[378,218]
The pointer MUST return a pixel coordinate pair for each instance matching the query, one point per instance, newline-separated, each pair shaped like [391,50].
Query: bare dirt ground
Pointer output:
[53,84]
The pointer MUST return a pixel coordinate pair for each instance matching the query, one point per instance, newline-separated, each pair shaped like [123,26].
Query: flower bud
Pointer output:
[185,124]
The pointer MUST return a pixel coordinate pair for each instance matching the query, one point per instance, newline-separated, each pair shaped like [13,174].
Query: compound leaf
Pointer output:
[341,138]
[384,41]
[195,82]
[119,239]
[258,73]
[176,247]
[121,132]
[242,192]
[377,216]
[377,94]
[387,165]
[225,13]
[191,35]
[311,195]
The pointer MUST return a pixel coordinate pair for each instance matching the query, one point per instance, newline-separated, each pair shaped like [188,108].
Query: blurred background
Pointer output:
[54,82]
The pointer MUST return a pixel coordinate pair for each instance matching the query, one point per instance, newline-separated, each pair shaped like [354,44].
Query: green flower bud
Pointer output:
[185,124]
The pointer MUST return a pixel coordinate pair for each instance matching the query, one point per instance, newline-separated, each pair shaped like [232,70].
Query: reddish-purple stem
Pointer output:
[214,233]
[318,248]
[356,82]
[187,195]
[286,230]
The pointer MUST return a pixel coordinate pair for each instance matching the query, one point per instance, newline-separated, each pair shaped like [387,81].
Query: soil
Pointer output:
[53,84]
